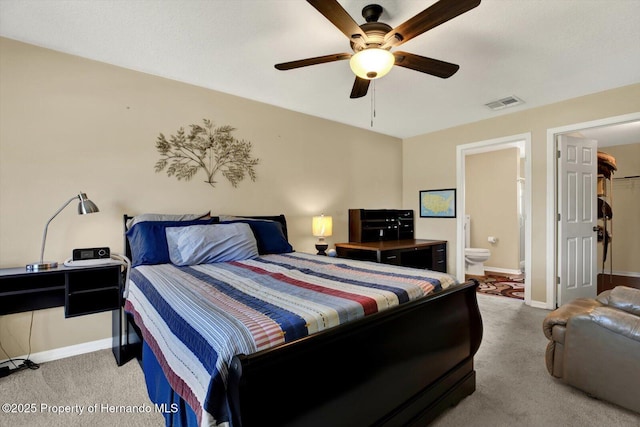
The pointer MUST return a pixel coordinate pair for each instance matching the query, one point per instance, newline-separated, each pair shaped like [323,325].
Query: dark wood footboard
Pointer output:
[395,368]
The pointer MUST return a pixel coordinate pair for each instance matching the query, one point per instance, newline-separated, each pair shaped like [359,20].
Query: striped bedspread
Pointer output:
[195,319]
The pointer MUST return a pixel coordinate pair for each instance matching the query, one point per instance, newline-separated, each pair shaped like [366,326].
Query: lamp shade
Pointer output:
[372,63]
[86,206]
[322,226]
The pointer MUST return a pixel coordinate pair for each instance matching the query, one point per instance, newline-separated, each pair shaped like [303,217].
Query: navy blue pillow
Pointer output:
[148,240]
[268,234]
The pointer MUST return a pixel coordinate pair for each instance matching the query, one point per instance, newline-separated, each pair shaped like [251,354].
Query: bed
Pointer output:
[279,337]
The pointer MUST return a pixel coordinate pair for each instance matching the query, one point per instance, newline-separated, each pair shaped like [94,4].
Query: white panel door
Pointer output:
[577,221]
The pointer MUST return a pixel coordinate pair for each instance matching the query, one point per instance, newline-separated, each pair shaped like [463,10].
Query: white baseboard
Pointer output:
[506,271]
[539,304]
[64,352]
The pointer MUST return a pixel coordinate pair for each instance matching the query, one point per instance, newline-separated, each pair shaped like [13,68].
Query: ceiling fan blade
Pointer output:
[313,61]
[339,17]
[423,64]
[360,88]
[431,17]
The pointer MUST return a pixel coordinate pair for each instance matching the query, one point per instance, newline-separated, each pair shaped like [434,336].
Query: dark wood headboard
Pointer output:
[278,218]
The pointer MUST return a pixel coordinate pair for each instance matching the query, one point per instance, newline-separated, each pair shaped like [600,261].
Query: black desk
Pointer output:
[81,290]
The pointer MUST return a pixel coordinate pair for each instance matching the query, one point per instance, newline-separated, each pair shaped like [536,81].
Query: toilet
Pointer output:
[474,258]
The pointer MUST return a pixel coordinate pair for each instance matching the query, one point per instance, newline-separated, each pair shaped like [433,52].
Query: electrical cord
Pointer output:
[127,264]
[114,258]
[26,362]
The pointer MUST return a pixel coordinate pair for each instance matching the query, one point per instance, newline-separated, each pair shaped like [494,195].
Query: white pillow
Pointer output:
[204,244]
[165,217]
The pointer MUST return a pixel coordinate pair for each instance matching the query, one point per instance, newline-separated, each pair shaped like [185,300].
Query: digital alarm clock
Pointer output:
[91,253]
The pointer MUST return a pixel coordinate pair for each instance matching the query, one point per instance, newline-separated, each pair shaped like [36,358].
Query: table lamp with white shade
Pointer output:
[322,227]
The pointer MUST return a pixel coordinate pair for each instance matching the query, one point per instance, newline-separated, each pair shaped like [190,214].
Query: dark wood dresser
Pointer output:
[386,236]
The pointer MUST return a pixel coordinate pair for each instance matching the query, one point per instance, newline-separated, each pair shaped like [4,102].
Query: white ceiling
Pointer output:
[541,51]
[619,134]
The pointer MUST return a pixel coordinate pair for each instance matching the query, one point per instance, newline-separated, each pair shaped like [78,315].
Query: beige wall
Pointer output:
[491,200]
[429,162]
[624,194]
[69,124]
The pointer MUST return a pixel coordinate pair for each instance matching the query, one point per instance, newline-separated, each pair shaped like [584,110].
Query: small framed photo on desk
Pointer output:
[438,203]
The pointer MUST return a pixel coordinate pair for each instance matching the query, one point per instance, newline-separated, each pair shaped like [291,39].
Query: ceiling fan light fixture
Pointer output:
[372,63]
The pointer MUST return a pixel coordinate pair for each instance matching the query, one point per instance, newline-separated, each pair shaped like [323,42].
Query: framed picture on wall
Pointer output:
[438,203]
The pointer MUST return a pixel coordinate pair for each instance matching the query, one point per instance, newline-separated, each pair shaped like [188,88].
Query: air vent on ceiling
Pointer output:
[509,101]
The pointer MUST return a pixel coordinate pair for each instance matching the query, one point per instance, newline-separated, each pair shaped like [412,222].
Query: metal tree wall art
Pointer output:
[214,149]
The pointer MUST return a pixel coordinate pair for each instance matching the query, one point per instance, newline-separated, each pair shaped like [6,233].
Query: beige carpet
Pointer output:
[513,386]
[90,382]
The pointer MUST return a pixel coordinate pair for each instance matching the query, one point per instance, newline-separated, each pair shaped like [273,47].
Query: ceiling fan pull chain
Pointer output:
[374,98]
[373,102]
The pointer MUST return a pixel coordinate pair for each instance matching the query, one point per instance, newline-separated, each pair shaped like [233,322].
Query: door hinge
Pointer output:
[558,216]
[557,280]
[559,154]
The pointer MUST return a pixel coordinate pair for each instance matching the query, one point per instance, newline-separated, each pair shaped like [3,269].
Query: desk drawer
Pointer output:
[439,258]
[358,254]
[391,257]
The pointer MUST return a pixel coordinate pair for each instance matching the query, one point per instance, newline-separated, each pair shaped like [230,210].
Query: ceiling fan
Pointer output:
[372,41]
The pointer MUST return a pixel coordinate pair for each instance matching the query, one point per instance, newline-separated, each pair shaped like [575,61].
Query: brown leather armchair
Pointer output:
[595,345]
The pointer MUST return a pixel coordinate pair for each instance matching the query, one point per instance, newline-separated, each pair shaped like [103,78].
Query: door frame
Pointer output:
[497,143]
[552,195]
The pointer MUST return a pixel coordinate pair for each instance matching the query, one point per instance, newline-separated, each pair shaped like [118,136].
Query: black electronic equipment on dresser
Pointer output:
[387,236]
[374,225]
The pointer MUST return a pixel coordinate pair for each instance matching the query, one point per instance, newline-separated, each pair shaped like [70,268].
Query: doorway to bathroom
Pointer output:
[493,181]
